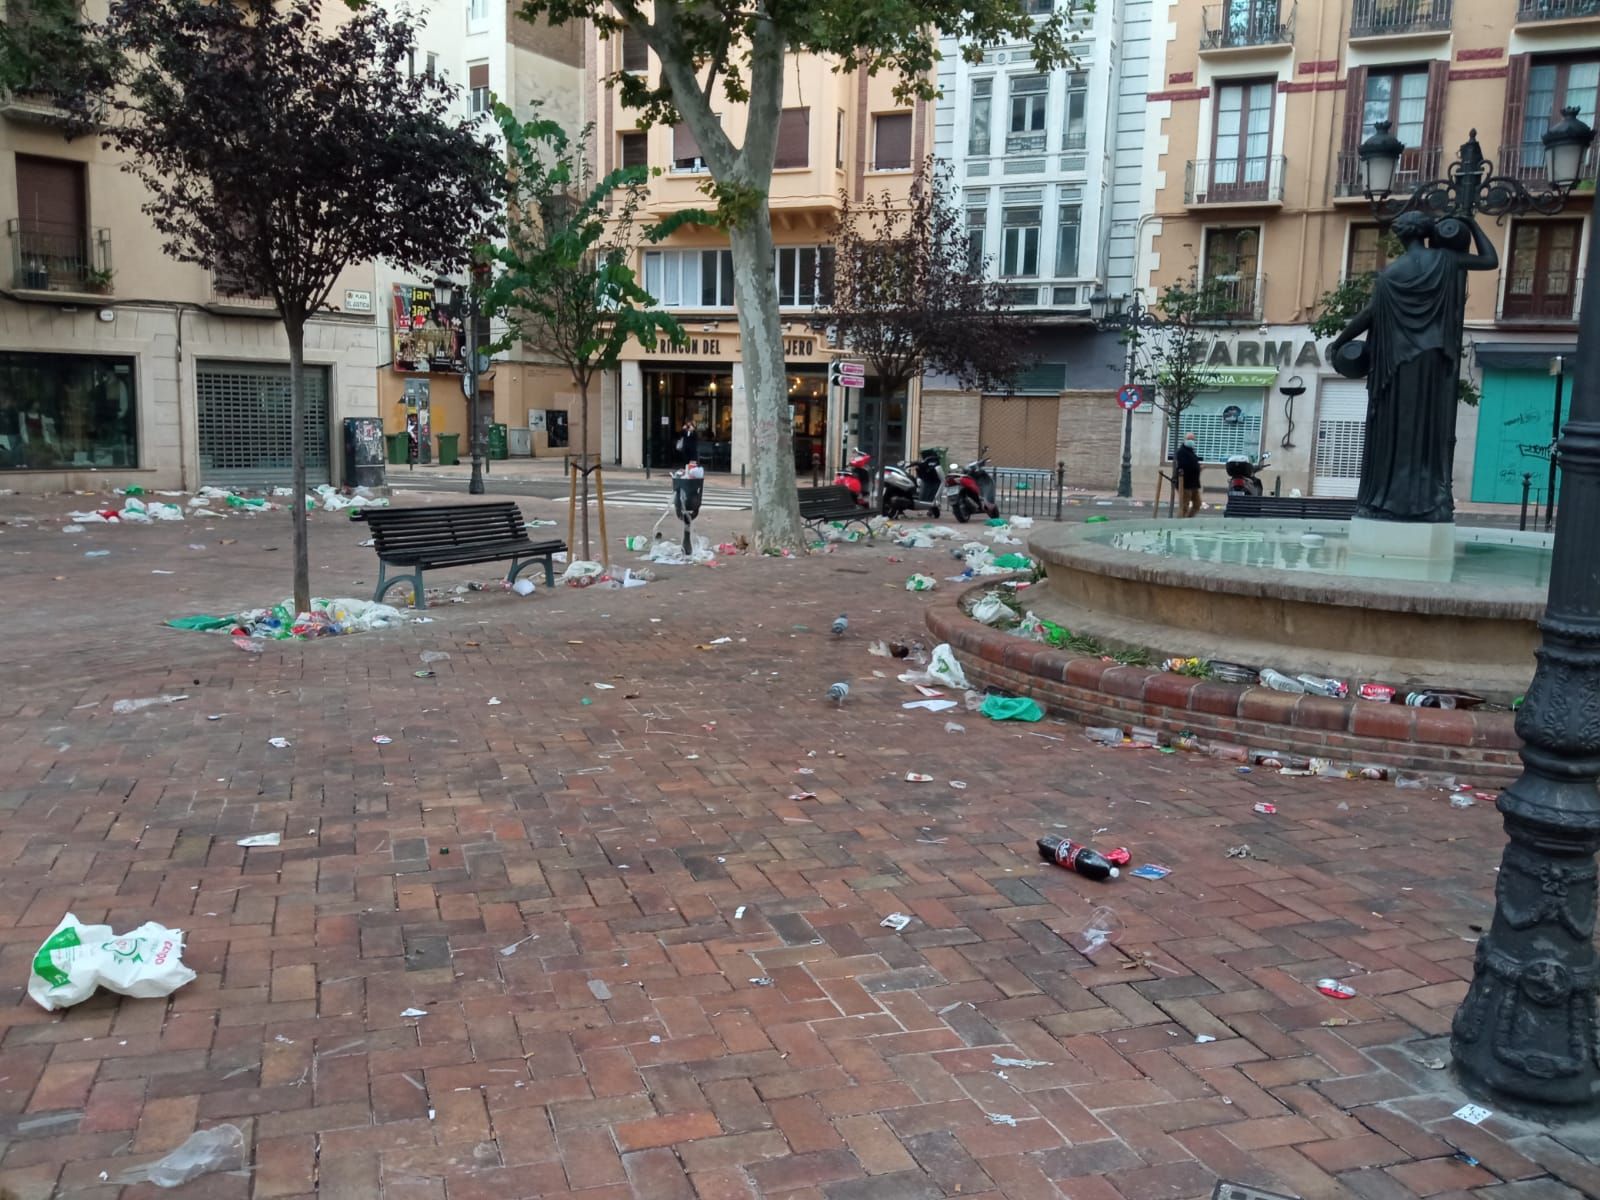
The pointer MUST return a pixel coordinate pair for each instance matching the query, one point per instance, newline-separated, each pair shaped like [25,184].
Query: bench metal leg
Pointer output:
[413,577]
[519,565]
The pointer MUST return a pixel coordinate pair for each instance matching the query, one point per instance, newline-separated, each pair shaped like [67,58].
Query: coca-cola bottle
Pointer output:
[1074,856]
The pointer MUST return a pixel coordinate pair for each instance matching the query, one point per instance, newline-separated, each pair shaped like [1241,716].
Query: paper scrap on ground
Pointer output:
[415,1012]
[895,921]
[1472,1114]
[1027,1064]
[932,705]
[260,839]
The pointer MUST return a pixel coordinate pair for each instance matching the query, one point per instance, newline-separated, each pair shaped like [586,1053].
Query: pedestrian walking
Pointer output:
[1187,468]
[688,443]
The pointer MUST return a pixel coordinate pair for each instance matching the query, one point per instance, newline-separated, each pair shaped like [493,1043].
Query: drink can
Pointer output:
[1266,809]
[1381,692]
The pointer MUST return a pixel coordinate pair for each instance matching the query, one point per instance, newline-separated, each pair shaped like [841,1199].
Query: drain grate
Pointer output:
[1243,1191]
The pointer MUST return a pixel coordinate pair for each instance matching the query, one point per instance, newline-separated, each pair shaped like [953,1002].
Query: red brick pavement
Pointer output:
[558,885]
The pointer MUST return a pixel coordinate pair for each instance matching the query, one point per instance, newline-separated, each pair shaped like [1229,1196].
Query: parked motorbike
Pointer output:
[970,489]
[910,486]
[1244,478]
[856,475]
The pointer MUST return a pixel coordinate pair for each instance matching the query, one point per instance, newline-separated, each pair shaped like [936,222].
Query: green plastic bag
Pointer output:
[1012,708]
[201,623]
[1095,520]
[1014,562]
[995,522]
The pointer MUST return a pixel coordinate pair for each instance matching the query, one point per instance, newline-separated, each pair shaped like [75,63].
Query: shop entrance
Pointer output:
[808,409]
[703,395]
[877,426]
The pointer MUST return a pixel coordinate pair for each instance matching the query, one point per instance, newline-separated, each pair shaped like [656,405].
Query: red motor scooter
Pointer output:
[971,489]
[857,476]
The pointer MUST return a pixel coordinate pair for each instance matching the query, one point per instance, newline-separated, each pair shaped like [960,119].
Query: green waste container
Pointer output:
[447,449]
[399,448]
[497,443]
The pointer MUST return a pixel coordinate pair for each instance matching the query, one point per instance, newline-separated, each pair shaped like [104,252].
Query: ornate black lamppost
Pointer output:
[448,295]
[1527,1035]
[1109,313]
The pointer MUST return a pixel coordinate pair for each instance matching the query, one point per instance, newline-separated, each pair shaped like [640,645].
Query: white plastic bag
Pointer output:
[579,569]
[990,609]
[944,668]
[76,959]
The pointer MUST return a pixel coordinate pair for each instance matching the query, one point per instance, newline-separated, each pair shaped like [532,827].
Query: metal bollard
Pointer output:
[741,474]
[1061,486]
[1527,484]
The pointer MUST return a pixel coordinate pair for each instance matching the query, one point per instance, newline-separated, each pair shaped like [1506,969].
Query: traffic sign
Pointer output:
[1130,396]
[852,374]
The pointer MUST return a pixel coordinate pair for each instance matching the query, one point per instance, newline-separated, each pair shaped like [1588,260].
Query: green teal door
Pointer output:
[1514,434]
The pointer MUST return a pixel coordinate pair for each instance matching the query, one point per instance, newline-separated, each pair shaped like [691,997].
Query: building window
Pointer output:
[685,150]
[51,246]
[60,411]
[1553,86]
[1541,274]
[838,141]
[1029,96]
[1075,132]
[477,13]
[978,124]
[1019,242]
[1232,257]
[891,142]
[431,66]
[1038,8]
[634,149]
[716,278]
[1068,226]
[794,139]
[1371,248]
[977,230]
[478,88]
[635,54]
[803,275]
[1242,136]
[689,278]
[1400,97]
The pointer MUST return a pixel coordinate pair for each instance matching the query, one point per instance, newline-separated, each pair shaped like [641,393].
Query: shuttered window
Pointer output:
[685,149]
[891,143]
[478,87]
[794,138]
[635,149]
[635,54]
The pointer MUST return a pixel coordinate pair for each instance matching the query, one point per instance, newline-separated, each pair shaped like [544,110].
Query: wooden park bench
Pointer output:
[453,535]
[1304,508]
[831,502]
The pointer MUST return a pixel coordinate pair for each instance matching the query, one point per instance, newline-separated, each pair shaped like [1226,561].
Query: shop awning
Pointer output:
[1522,356]
[1239,376]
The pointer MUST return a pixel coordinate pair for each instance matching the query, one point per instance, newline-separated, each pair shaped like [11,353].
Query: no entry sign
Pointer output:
[1130,396]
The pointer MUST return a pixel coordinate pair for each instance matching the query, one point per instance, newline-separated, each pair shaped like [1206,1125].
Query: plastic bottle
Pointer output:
[1430,700]
[1279,682]
[1319,686]
[1064,852]
[1106,735]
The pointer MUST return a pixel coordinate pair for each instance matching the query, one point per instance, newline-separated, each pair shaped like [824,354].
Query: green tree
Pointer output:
[565,286]
[1172,352]
[737,49]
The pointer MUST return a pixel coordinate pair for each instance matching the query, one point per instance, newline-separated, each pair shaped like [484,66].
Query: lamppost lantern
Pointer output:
[1099,305]
[444,292]
[1565,144]
[1380,159]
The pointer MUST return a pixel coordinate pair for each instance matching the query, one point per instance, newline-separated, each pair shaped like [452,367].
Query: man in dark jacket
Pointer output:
[1187,464]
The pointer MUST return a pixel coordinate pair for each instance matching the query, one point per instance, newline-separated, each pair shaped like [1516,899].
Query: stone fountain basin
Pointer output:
[1199,588]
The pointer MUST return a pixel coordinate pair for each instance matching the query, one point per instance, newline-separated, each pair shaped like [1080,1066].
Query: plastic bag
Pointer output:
[943,667]
[990,609]
[76,959]
[204,1152]
[164,512]
[921,583]
[1012,708]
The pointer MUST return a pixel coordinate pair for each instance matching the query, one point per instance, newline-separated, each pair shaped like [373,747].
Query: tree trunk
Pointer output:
[583,467]
[766,386]
[295,328]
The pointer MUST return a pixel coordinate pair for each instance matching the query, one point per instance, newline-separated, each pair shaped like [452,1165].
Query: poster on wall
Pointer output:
[426,338]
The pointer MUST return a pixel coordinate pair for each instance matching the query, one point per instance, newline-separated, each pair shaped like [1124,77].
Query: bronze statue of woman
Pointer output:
[1413,364]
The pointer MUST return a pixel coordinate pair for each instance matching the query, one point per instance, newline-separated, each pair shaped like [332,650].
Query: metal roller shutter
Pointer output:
[1341,435]
[244,427]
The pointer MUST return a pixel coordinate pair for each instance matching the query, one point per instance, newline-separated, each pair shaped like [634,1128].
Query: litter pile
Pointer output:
[204,503]
[327,618]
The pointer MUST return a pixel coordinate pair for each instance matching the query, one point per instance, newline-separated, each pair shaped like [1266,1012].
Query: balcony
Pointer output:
[229,296]
[1246,25]
[1399,18]
[1527,299]
[1416,166]
[1233,300]
[1208,183]
[1026,143]
[1526,164]
[60,260]
[1532,11]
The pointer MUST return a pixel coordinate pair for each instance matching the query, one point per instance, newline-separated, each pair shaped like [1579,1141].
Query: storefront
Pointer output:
[700,395]
[67,411]
[1516,418]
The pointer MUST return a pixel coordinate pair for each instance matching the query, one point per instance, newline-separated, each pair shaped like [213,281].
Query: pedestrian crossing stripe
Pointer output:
[727,502]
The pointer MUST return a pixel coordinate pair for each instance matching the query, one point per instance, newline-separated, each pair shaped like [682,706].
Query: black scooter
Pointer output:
[909,486]
[1244,477]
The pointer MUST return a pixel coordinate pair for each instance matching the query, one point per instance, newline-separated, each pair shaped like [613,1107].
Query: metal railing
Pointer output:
[1416,166]
[1230,301]
[1026,143]
[1030,492]
[1522,301]
[1381,18]
[1556,10]
[228,293]
[1242,181]
[1240,24]
[1526,162]
[59,260]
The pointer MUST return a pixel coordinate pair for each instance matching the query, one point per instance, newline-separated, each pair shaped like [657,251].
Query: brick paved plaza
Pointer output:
[651,964]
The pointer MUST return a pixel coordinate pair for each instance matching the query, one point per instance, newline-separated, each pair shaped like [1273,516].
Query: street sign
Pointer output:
[1130,396]
[852,374]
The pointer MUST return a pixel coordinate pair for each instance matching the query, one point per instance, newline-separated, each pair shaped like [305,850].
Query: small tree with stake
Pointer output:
[908,296]
[565,287]
[281,145]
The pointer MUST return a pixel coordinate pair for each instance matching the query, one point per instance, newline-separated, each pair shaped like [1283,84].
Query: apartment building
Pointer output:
[119,365]
[488,52]
[1261,110]
[1050,168]
[839,134]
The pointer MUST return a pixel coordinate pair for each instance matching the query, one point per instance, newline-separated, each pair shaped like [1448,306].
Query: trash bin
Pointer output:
[497,443]
[447,449]
[399,448]
[363,452]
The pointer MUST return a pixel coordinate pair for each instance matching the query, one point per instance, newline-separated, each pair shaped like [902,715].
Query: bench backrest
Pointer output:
[826,496]
[408,530]
[1326,508]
